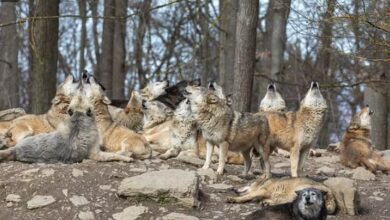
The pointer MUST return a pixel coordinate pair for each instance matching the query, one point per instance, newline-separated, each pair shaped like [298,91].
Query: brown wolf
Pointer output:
[30,125]
[357,149]
[229,130]
[297,132]
[272,101]
[131,116]
[114,137]
[276,191]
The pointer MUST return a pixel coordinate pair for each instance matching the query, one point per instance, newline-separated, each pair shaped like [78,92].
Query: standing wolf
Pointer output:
[30,125]
[229,130]
[75,139]
[297,132]
[357,149]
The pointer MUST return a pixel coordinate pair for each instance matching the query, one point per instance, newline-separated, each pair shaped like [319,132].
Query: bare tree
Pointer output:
[119,51]
[245,54]
[83,34]
[227,38]
[44,53]
[9,75]
[106,58]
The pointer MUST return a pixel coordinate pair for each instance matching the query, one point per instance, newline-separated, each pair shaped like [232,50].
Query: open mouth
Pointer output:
[211,86]
[186,93]
[144,105]
[271,87]
[315,85]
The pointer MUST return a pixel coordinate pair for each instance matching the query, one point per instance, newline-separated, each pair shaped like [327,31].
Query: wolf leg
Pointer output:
[171,152]
[109,156]
[8,155]
[247,160]
[223,149]
[302,158]
[258,195]
[294,157]
[209,153]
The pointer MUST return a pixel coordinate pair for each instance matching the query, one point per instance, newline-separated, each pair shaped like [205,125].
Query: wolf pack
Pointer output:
[192,120]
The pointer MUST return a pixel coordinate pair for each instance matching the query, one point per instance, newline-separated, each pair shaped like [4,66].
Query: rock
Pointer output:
[9,204]
[328,159]
[361,173]
[377,198]
[278,171]
[40,201]
[105,187]
[47,172]
[178,216]
[88,215]
[326,171]
[190,160]
[130,213]
[78,200]
[65,192]
[346,172]
[346,194]
[207,174]
[12,198]
[282,165]
[386,153]
[221,186]
[30,172]
[181,185]
[77,172]
[234,178]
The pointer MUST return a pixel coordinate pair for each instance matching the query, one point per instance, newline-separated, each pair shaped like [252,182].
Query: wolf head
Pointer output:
[183,110]
[213,86]
[65,90]
[310,202]
[314,99]
[154,89]
[362,120]
[272,101]
[135,103]
[80,112]
[94,91]
[155,112]
[204,99]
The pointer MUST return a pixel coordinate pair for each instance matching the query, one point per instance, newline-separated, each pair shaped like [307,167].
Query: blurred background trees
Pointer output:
[241,44]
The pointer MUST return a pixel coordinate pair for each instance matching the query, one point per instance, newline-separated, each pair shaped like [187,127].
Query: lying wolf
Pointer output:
[30,125]
[297,132]
[114,137]
[357,149]
[6,117]
[77,138]
[276,191]
[229,130]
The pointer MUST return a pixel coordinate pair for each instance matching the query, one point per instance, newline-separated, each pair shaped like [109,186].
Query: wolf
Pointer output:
[228,129]
[275,191]
[298,131]
[357,148]
[114,137]
[30,125]
[6,117]
[154,89]
[75,139]
[131,116]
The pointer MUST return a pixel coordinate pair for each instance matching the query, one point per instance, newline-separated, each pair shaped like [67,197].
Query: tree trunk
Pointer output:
[377,102]
[205,54]
[44,51]
[106,58]
[94,10]
[143,22]
[119,53]
[227,40]
[9,74]
[245,54]
[83,34]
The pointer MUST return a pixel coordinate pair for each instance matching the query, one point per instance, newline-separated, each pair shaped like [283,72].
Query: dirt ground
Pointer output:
[98,183]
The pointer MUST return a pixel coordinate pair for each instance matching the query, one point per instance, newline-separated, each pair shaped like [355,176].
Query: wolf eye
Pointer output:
[89,112]
[70,112]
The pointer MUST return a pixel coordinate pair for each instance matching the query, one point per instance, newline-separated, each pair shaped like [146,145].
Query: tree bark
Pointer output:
[83,34]
[205,54]
[227,40]
[119,51]
[9,74]
[245,54]
[44,51]
[106,58]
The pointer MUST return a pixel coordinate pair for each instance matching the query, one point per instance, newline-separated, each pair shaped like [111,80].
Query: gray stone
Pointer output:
[178,216]
[173,183]
[346,194]
[12,198]
[88,215]
[77,172]
[190,160]
[79,200]
[207,174]
[130,213]
[282,165]
[235,178]
[361,173]
[39,201]
[221,186]
[326,171]
[47,172]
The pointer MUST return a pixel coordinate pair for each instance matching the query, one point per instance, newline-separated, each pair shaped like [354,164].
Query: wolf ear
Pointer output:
[133,102]
[298,192]
[212,99]
[69,79]
[106,100]
[57,99]
[324,193]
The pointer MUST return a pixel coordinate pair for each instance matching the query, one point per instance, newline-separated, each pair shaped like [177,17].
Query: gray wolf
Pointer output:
[357,148]
[228,129]
[30,125]
[272,101]
[277,191]
[75,139]
[114,137]
[154,89]
[298,131]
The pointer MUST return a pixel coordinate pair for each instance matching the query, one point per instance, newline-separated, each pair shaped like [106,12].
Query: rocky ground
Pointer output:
[91,190]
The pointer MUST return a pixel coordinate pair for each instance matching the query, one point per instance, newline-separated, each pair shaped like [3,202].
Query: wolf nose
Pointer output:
[307,198]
